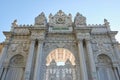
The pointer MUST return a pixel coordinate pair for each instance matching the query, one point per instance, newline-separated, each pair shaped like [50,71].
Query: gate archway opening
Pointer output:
[60,55]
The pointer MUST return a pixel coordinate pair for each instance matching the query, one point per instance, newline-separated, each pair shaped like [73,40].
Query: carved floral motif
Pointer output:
[60,19]
[20,48]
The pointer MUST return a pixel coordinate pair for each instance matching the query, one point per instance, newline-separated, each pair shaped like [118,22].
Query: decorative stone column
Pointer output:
[29,61]
[3,77]
[38,74]
[2,58]
[83,68]
[116,73]
[91,59]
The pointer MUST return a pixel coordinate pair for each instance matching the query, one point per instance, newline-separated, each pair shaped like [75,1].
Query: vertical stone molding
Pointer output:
[29,61]
[38,70]
[83,68]
[4,74]
[91,60]
[116,73]
[116,50]
[2,57]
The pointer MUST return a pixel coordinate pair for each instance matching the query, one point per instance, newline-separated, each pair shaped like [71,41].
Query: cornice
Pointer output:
[82,29]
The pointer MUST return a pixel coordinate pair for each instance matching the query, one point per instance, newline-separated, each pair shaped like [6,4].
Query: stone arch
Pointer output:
[108,55]
[13,55]
[105,69]
[104,59]
[60,55]
[16,60]
[16,68]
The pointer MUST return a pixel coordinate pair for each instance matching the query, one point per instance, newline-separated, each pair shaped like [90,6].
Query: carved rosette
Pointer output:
[60,19]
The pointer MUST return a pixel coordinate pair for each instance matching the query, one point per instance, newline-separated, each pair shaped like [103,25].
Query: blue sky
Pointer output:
[26,10]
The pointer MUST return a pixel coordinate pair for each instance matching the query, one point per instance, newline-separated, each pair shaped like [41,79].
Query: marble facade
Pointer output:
[60,49]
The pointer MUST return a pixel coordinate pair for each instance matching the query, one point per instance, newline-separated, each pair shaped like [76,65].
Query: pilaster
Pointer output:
[29,61]
[2,58]
[91,59]
[116,50]
[83,68]
[38,74]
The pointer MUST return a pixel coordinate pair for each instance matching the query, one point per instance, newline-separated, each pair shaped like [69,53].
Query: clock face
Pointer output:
[60,20]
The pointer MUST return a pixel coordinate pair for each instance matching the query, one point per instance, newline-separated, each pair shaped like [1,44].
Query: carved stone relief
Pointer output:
[17,60]
[37,35]
[41,19]
[97,38]
[79,19]
[102,47]
[60,19]
[20,48]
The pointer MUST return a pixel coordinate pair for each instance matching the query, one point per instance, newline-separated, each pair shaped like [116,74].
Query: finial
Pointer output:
[42,14]
[14,24]
[106,23]
[78,14]
[50,15]
[69,15]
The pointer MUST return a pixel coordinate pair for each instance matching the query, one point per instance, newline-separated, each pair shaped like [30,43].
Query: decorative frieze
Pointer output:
[82,36]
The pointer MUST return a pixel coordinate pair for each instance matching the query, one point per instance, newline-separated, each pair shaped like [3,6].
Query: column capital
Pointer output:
[87,40]
[33,41]
[40,40]
[6,63]
[83,36]
[5,43]
[79,40]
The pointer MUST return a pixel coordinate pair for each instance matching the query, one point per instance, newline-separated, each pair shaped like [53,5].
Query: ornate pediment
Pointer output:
[80,20]
[41,20]
[60,19]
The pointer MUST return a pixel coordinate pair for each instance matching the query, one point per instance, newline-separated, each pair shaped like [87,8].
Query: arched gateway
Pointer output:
[60,49]
[60,65]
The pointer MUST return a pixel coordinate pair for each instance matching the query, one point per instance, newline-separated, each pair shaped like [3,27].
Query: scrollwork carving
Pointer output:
[60,19]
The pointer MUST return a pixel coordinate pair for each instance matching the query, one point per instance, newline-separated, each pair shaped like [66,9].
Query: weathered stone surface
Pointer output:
[60,49]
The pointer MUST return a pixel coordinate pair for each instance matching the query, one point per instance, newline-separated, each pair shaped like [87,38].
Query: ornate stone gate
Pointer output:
[60,49]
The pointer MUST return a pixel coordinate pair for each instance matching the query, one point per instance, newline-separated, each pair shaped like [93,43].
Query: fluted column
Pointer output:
[83,68]
[4,74]
[2,58]
[91,60]
[29,61]
[38,70]
[116,73]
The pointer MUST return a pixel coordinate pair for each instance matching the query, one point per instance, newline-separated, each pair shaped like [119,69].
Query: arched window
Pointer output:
[15,70]
[17,61]
[104,68]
